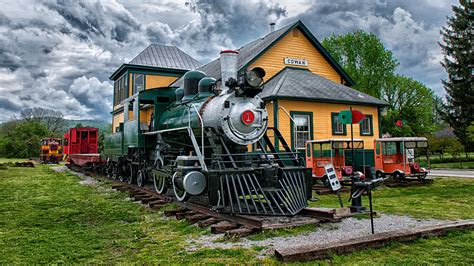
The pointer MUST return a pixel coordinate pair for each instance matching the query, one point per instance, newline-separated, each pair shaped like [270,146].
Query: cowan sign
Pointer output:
[295,61]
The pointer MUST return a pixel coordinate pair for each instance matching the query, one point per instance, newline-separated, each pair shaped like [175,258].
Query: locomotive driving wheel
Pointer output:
[179,193]
[160,183]
[131,173]
[141,177]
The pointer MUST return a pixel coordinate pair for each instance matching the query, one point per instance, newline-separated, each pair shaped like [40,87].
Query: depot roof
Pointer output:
[251,51]
[162,58]
[301,84]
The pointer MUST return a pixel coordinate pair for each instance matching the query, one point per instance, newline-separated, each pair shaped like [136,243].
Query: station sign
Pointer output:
[295,61]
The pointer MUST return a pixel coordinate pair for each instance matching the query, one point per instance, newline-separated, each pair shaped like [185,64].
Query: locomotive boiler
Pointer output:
[194,142]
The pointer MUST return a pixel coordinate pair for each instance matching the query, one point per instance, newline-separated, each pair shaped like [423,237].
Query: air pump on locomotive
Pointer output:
[196,145]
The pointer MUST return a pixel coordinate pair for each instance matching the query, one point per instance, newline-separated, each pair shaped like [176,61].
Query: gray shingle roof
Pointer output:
[246,54]
[303,84]
[163,56]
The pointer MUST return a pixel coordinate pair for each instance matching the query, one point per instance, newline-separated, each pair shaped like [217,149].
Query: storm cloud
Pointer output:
[59,54]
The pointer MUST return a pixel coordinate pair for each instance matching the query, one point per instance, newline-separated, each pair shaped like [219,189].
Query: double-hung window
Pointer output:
[338,128]
[301,130]
[138,82]
[366,128]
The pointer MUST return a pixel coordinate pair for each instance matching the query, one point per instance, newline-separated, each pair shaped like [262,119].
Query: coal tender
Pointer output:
[197,143]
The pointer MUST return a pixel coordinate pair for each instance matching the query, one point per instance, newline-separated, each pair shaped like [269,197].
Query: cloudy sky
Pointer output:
[59,54]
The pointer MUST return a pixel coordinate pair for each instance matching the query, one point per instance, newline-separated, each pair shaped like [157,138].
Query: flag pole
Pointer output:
[352,143]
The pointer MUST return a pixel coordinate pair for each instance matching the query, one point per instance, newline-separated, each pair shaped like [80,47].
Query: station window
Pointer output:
[120,89]
[366,126]
[138,83]
[338,128]
[302,129]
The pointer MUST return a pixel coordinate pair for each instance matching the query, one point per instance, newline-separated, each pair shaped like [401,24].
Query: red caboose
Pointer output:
[82,140]
[81,145]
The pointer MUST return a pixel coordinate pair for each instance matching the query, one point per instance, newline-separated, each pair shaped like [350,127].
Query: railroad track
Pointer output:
[232,225]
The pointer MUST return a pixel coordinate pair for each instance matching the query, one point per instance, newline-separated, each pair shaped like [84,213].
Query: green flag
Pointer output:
[345,117]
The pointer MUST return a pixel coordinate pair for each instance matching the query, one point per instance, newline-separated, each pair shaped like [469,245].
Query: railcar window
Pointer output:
[302,130]
[389,148]
[422,144]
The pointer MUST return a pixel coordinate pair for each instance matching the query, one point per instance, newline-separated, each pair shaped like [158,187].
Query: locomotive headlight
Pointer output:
[255,77]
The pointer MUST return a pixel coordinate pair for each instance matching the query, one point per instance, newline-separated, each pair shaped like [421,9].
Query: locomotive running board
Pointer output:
[244,194]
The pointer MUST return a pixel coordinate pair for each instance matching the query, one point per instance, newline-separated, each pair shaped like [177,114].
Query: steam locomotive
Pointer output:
[194,142]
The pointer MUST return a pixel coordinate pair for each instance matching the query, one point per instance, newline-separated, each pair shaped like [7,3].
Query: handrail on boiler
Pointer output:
[202,127]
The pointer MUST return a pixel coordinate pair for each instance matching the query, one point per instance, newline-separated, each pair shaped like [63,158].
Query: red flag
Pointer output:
[357,116]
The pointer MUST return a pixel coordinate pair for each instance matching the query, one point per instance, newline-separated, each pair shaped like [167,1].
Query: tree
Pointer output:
[23,139]
[52,119]
[411,102]
[459,61]
[364,58]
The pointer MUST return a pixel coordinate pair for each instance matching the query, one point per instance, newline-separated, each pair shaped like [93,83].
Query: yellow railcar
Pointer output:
[51,150]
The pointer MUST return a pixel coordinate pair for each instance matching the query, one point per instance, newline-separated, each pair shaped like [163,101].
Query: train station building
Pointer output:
[304,89]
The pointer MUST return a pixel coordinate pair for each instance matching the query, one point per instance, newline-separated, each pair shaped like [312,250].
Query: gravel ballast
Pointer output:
[324,234]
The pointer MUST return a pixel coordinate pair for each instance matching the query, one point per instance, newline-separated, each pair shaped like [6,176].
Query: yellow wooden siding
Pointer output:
[145,115]
[154,81]
[322,124]
[130,89]
[295,47]
[116,120]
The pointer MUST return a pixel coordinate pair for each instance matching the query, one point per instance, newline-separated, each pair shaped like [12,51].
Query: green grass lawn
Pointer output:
[48,217]
[12,160]
[461,165]
[446,198]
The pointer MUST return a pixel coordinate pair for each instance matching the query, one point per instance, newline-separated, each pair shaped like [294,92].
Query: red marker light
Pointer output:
[248,117]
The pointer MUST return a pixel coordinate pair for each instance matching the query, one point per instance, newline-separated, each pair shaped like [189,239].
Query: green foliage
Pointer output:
[444,144]
[410,101]
[364,58]
[459,61]
[372,66]
[22,139]
[78,125]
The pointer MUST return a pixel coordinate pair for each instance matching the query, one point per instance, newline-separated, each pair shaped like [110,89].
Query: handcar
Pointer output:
[396,157]
[320,153]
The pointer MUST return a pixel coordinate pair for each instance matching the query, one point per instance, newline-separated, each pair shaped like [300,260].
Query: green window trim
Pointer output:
[333,126]
[371,123]
[292,127]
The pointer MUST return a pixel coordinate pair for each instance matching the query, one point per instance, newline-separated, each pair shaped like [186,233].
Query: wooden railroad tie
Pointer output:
[138,197]
[184,214]
[196,218]
[314,251]
[169,213]
[150,199]
[208,222]
[157,204]
[223,227]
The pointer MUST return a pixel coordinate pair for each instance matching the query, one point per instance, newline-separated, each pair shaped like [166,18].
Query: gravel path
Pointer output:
[85,179]
[326,233]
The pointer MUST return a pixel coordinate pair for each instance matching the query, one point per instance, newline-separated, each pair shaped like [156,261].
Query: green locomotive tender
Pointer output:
[196,145]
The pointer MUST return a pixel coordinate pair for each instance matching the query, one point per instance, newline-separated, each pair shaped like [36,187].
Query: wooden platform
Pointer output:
[311,252]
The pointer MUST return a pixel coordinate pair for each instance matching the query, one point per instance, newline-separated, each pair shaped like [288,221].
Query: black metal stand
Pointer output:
[371,211]
[340,199]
